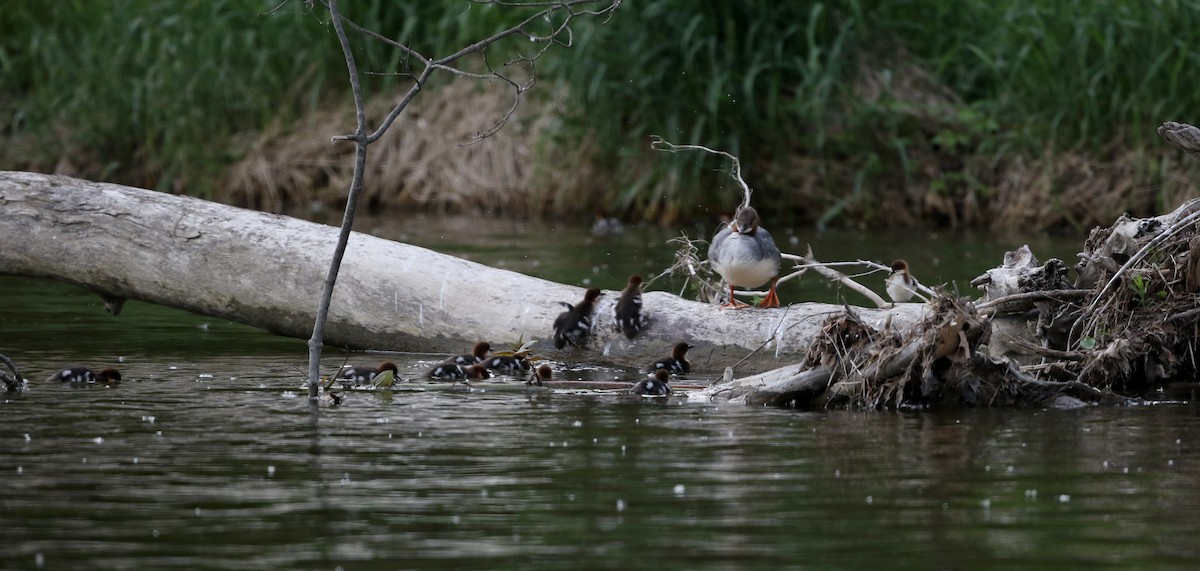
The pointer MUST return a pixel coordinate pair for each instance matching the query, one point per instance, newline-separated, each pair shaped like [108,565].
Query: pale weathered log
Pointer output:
[266,270]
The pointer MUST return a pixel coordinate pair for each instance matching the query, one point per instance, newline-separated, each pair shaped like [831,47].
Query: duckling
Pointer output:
[541,375]
[455,371]
[13,383]
[108,376]
[677,363]
[746,256]
[478,354]
[627,313]
[900,283]
[606,225]
[509,365]
[574,325]
[360,376]
[657,385]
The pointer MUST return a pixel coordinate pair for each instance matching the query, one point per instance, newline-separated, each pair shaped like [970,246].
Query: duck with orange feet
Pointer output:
[574,326]
[676,364]
[745,255]
[84,375]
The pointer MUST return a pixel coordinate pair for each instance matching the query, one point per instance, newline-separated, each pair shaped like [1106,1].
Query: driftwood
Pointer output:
[267,270]
[1125,325]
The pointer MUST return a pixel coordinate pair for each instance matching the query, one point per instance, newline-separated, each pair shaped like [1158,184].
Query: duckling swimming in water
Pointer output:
[677,363]
[657,386]
[362,376]
[108,376]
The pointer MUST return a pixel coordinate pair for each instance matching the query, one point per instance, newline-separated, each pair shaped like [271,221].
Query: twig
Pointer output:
[659,144]
[362,139]
[834,275]
[1045,295]
[774,332]
[1173,229]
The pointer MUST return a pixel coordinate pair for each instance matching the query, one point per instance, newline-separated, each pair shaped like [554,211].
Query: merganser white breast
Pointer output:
[745,255]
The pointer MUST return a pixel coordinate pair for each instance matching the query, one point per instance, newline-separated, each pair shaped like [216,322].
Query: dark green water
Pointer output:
[209,457]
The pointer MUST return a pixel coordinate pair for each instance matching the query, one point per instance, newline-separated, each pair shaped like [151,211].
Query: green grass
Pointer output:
[855,98]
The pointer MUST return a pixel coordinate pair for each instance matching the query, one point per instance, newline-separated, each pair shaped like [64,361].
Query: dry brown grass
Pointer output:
[430,160]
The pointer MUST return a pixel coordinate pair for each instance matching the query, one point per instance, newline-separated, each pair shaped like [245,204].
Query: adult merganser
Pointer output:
[478,354]
[746,256]
[900,283]
[627,313]
[677,363]
[655,386]
[360,376]
[510,365]
[574,325]
[107,376]
[541,375]
[455,371]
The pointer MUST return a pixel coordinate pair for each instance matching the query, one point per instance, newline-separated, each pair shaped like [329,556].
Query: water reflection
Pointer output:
[238,472]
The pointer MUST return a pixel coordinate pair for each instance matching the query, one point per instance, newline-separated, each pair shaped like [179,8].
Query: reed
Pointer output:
[919,112]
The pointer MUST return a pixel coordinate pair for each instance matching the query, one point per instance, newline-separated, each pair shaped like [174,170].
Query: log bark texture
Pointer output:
[266,270]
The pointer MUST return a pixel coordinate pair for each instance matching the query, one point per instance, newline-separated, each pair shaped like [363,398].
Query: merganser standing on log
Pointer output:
[746,256]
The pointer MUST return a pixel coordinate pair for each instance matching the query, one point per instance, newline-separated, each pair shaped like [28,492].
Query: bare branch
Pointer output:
[659,144]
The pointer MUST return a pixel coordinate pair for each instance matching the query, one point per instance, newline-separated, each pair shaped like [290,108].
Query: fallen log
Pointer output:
[266,270]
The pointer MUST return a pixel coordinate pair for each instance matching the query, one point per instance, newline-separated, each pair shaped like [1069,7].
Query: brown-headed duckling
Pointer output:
[108,376]
[900,283]
[454,371]
[514,365]
[360,376]
[627,313]
[574,325]
[478,353]
[657,386]
[541,375]
[677,363]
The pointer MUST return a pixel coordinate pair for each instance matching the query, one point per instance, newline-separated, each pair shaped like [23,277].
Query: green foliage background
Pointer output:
[851,96]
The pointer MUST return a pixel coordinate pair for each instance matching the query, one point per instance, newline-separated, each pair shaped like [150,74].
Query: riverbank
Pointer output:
[849,116]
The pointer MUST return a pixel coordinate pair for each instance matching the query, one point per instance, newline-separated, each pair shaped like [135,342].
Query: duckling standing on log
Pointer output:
[655,386]
[677,363]
[360,376]
[746,256]
[627,313]
[107,376]
[574,325]
[900,283]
